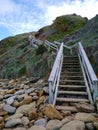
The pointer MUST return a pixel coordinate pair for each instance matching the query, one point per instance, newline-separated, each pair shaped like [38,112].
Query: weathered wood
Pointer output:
[55,76]
[67,108]
[72,100]
[72,92]
[86,60]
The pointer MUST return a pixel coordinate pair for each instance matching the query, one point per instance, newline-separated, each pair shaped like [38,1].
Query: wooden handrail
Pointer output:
[57,60]
[87,62]
[55,76]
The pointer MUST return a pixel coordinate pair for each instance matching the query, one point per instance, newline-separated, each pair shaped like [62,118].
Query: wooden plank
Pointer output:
[72,92]
[55,66]
[79,81]
[67,108]
[72,100]
[89,67]
[72,86]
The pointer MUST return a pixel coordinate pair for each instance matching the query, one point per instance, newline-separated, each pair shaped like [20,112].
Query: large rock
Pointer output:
[37,128]
[13,123]
[41,122]
[85,117]
[15,116]
[74,125]
[53,125]
[27,100]
[24,109]
[9,109]
[51,112]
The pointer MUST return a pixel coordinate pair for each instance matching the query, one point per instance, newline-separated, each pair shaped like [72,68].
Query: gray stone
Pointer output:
[13,123]
[19,92]
[74,125]
[10,100]
[8,95]
[9,109]
[41,122]
[19,98]
[30,90]
[53,125]
[90,126]
[46,90]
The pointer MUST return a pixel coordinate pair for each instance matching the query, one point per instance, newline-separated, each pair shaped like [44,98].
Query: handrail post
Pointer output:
[95,90]
[50,92]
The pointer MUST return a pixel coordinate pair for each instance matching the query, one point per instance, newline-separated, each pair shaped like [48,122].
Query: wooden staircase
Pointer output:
[71,87]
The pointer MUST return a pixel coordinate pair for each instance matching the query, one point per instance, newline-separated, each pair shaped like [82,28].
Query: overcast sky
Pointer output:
[20,16]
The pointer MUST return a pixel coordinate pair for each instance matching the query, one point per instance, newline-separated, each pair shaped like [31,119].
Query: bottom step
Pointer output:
[71,100]
[67,108]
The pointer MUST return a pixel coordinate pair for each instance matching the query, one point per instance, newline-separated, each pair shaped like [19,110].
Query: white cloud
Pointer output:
[88,8]
[29,15]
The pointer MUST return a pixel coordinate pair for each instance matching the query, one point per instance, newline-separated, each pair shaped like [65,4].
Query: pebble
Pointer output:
[9,109]
[10,100]
[29,90]
[41,122]
[25,121]
[19,92]
[53,125]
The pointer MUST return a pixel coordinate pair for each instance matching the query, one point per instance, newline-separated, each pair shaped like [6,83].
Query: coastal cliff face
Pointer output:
[18,57]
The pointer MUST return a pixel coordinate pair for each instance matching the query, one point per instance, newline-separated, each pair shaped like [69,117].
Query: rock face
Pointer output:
[51,112]
[85,117]
[74,125]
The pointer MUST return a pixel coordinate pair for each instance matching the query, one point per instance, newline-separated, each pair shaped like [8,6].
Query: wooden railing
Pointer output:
[89,75]
[55,76]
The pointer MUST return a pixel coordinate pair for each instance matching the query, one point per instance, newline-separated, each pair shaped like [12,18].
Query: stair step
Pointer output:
[71,100]
[72,92]
[71,56]
[72,86]
[72,81]
[67,108]
[73,73]
[71,66]
[65,63]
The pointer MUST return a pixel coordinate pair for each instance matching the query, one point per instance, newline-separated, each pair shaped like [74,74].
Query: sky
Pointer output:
[21,16]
